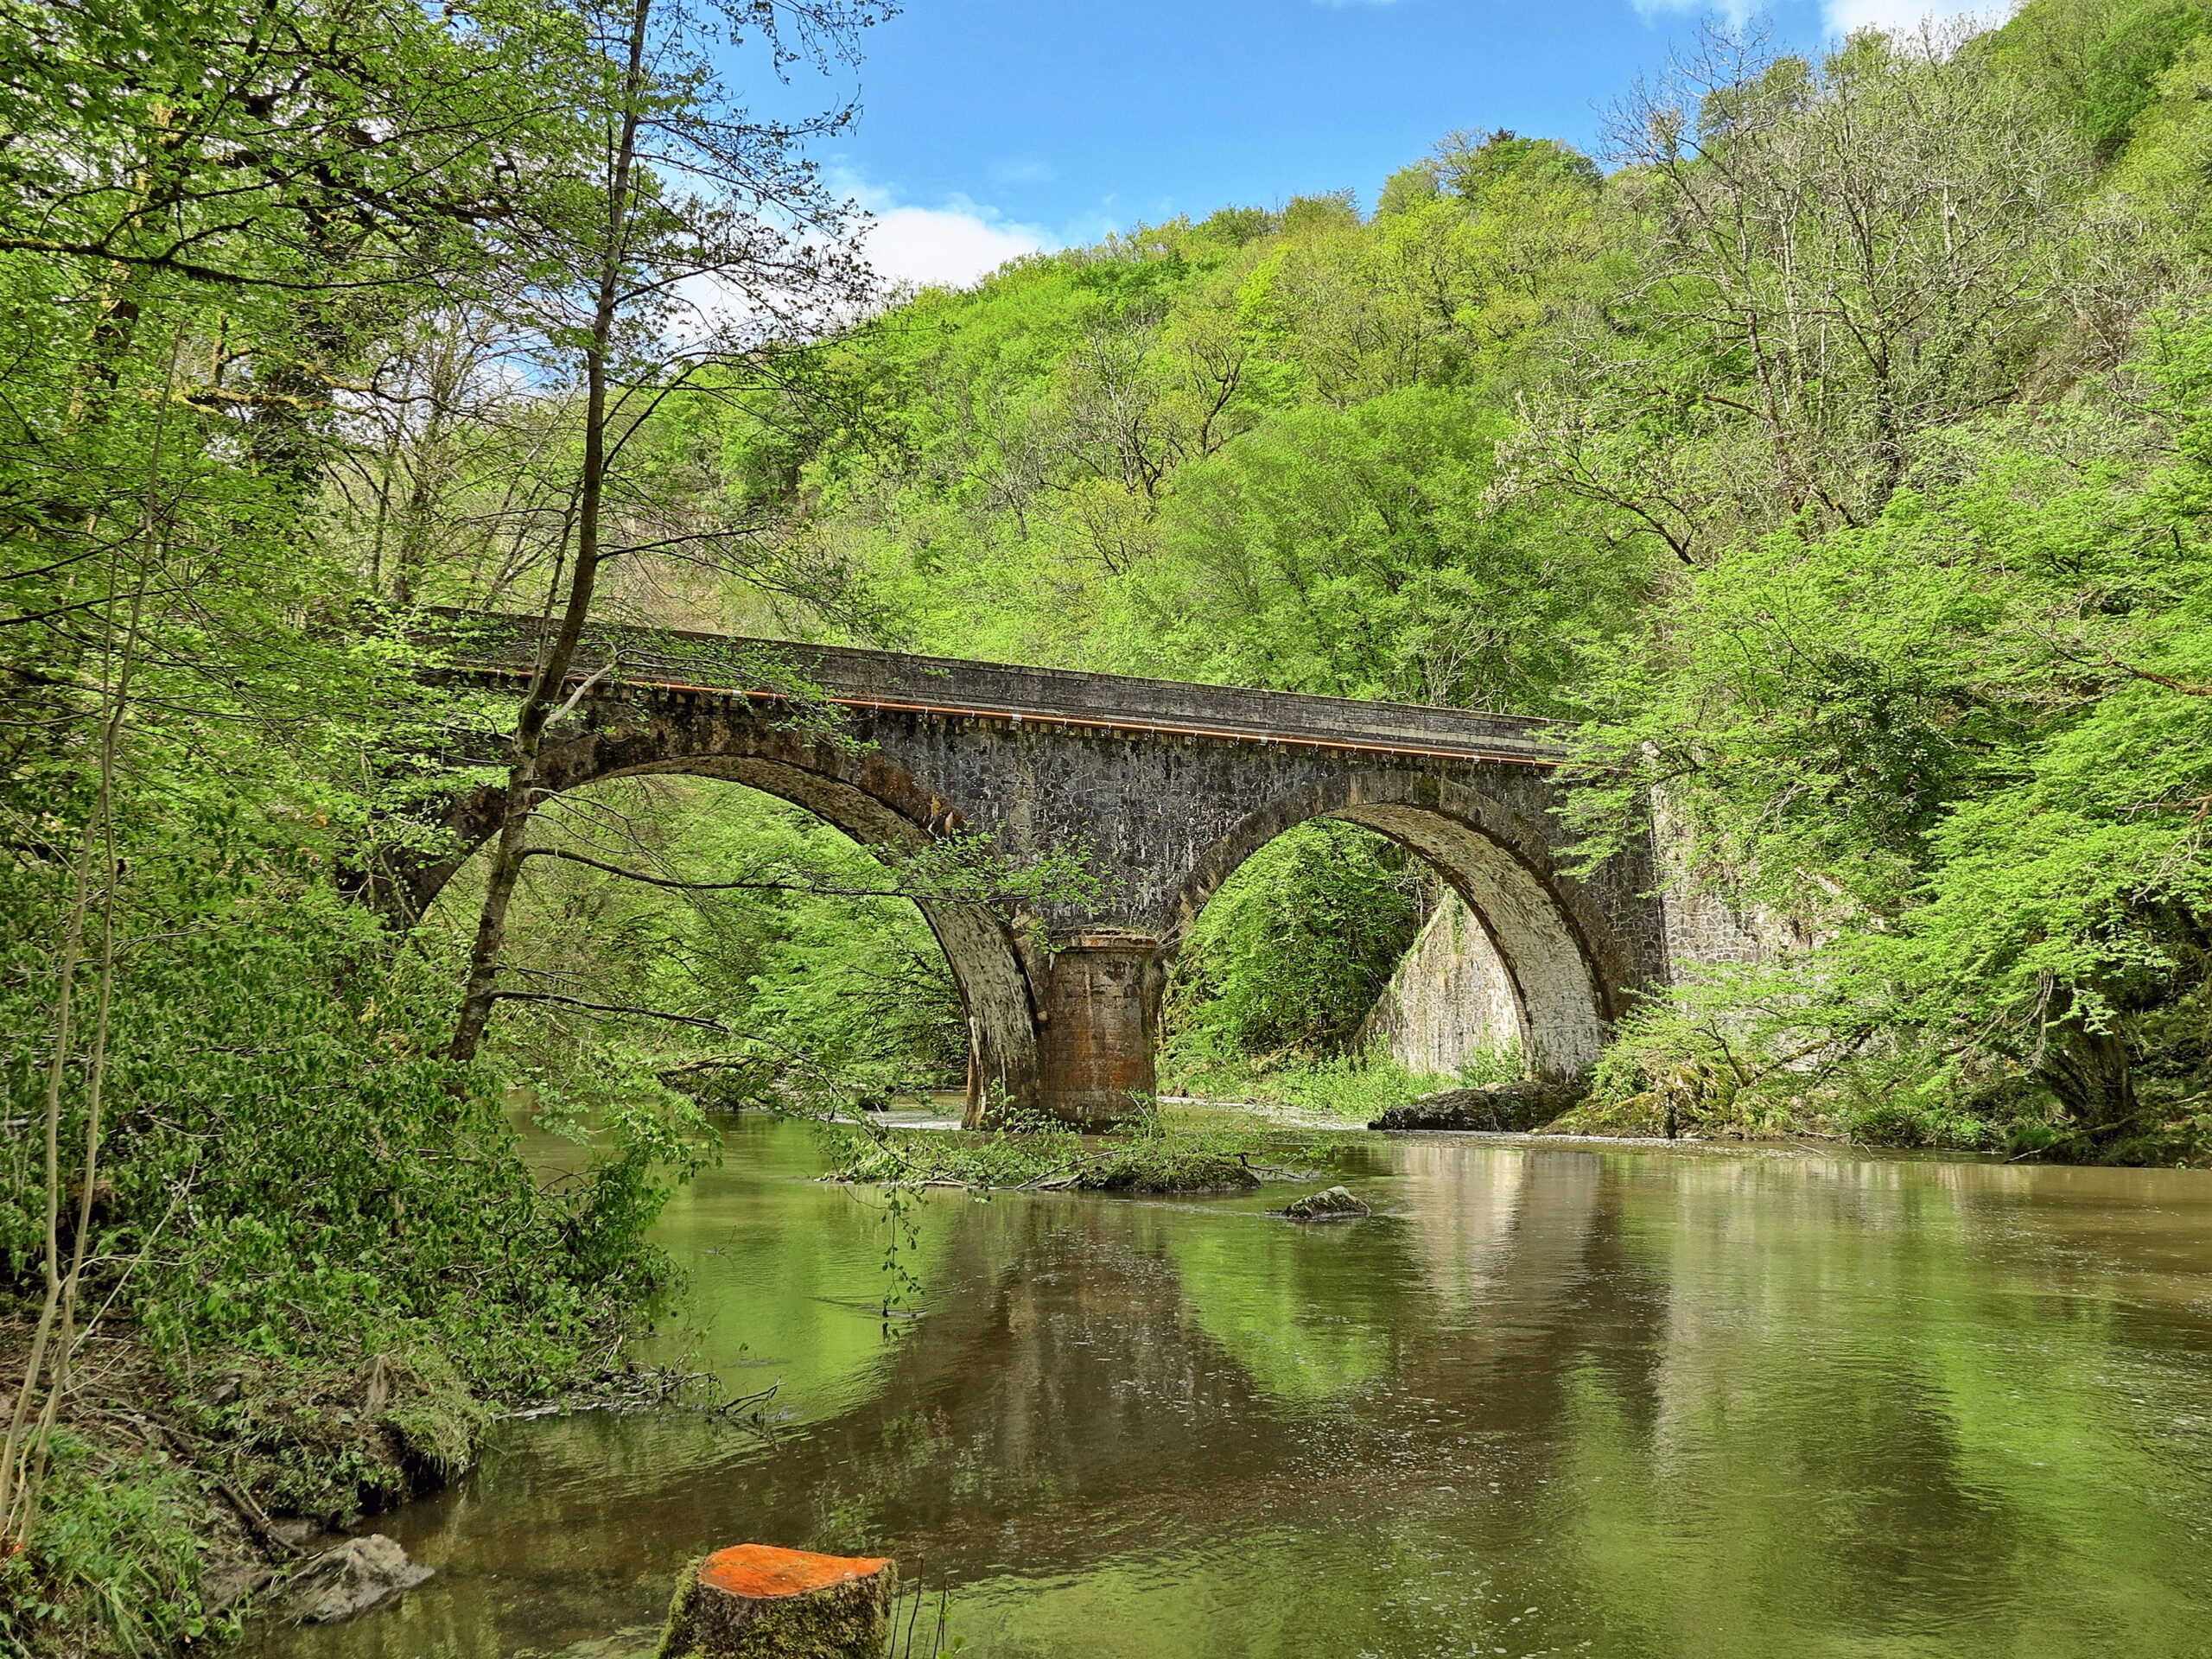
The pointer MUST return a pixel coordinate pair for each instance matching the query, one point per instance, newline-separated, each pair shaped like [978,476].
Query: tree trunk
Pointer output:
[541,701]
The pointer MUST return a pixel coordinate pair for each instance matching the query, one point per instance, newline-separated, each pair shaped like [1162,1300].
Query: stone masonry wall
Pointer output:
[1703,928]
[1450,999]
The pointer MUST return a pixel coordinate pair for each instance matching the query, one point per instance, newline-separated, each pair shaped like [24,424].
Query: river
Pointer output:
[1551,1399]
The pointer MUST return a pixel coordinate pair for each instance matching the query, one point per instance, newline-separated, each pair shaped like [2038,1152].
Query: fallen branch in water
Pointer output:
[757,1396]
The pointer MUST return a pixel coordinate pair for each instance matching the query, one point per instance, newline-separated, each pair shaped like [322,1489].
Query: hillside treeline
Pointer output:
[1832,445]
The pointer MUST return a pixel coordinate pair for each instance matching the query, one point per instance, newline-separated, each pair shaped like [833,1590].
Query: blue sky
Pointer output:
[994,127]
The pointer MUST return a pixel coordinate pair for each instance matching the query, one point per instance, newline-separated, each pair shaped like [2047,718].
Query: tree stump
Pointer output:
[755,1601]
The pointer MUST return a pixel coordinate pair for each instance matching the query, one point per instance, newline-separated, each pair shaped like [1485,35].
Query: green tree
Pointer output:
[1288,958]
[1968,739]
[1361,555]
[1840,256]
[683,190]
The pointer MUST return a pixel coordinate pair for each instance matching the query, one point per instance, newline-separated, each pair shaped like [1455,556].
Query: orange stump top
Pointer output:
[762,1572]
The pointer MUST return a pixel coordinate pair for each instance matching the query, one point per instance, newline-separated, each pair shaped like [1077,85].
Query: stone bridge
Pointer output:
[1170,787]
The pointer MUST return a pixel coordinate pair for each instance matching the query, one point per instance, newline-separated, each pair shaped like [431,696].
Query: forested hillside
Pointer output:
[1834,447]
[1832,451]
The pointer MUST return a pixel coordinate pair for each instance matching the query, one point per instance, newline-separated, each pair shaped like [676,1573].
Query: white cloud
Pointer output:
[945,247]
[1845,15]
[1841,16]
[948,246]
[952,247]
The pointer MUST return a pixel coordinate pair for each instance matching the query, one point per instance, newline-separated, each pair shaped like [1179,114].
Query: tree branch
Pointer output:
[725,886]
[2181,686]
[702,887]
[612,1007]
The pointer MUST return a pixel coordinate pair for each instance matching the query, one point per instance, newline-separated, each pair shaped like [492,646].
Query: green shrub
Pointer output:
[117,1546]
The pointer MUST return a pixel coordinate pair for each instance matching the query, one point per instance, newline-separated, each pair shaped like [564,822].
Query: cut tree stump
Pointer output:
[755,1601]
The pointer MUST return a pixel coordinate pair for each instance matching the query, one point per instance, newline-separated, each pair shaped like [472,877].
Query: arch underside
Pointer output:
[1545,930]
[1552,981]
[986,967]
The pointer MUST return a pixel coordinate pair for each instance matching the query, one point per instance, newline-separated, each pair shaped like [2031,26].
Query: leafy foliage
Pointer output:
[228,1129]
[1833,457]
[1290,955]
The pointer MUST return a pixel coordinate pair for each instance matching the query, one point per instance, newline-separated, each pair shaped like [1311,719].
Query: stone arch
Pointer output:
[1568,975]
[870,799]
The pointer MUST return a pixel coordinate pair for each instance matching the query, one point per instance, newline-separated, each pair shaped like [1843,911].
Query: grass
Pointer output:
[119,1549]
[1351,1088]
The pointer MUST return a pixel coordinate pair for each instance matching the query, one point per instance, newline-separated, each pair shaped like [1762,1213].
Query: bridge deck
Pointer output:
[716,664]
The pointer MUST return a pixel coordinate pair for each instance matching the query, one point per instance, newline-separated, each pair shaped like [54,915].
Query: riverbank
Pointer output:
[304,1334]
[183,1491]
[1705,1102]
[178,1488]
[1153,1153]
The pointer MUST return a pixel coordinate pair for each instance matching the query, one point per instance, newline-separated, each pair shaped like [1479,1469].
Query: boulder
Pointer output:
[1499,1108]
[756,1601]
[1332,1203]
[355,1575]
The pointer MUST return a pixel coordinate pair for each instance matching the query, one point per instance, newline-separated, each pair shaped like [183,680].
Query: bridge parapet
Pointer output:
[675,659]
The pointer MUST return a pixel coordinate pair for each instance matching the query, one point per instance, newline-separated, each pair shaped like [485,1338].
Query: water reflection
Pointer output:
[1548,1400]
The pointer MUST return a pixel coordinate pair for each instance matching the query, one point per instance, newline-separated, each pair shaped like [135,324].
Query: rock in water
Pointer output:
[1332,1203]
[755,1601]
[1501,1108]
[357,1574]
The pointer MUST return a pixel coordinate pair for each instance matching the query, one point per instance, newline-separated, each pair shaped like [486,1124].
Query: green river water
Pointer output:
[1629,1403]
